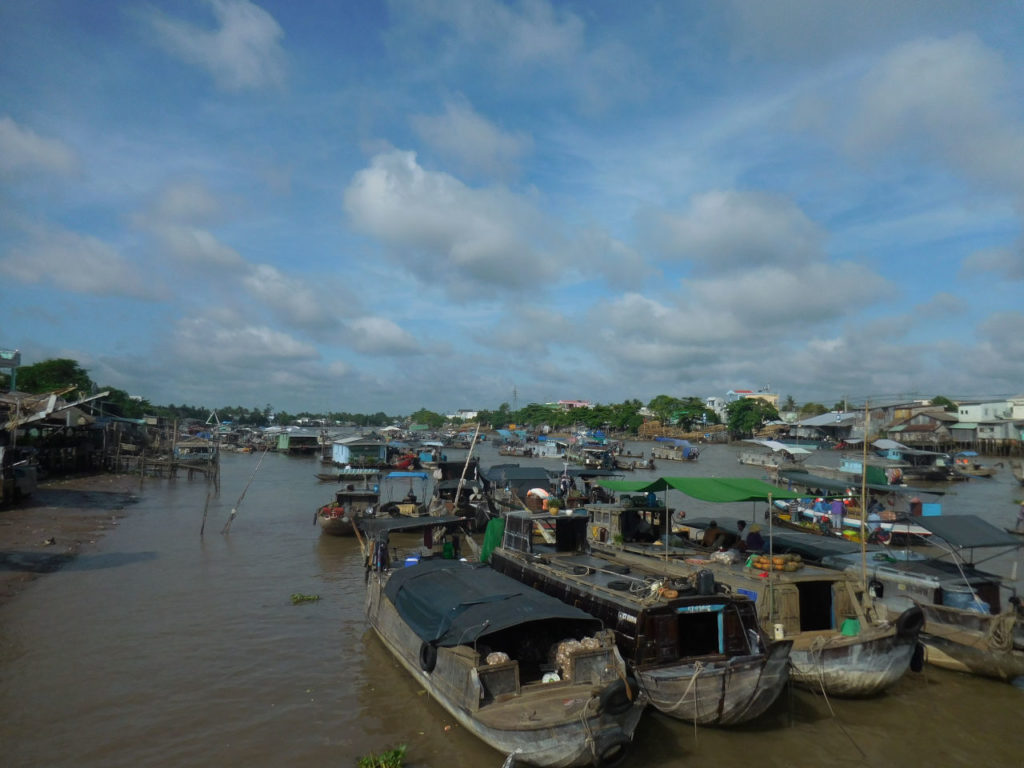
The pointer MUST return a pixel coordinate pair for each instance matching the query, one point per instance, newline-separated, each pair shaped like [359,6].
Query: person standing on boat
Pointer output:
[838,509]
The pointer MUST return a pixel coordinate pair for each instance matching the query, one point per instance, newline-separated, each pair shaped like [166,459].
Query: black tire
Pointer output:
[428,657]
[391,509]
[621,586]
[611,750]
[616,568]
[875,588]
[618,697]
[910,622]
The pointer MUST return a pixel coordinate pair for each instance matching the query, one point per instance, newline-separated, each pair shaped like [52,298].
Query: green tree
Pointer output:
[790,404]
[431,419]
[50,375]
[748,414]
[807,410]
[945,402]
[664,407]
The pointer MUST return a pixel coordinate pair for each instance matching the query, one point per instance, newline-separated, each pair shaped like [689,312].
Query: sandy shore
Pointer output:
[63,517]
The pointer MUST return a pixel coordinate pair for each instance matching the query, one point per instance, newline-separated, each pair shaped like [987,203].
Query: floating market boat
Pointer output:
[538,680]
[697,651]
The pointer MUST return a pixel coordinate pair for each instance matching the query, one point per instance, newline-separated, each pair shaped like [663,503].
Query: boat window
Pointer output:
[700,633]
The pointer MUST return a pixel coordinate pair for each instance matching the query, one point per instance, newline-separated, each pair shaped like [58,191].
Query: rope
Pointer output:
[1000,632]
[234,509]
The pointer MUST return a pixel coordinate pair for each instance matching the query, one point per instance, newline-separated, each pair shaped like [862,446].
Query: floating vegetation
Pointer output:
[393,758]
[298,597]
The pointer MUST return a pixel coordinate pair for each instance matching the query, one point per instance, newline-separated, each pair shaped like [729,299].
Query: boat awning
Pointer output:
[967,531]
[449,602]
[775,445]
[420,475]
[714,489]
[830,484]
[374,526]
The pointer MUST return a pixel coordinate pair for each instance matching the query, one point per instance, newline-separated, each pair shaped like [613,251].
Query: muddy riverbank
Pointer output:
[62,518]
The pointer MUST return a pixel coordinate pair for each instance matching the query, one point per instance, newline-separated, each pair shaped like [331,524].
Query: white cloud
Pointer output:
[1008,262]
[380,336]
[945,101]
[726,230]
[476,144]
[224,339]
[289,298]
[175,219]
[22,149]
[243,52]
[77,263]
[455,237]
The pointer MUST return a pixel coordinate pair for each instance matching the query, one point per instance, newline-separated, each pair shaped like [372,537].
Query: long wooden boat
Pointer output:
[700,655]
[351,502]
[973,620]
[532,677]
[838,646]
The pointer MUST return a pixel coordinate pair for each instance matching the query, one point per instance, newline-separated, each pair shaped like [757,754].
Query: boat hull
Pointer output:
[726,693]
[979,644]
[853,667]
[539,728]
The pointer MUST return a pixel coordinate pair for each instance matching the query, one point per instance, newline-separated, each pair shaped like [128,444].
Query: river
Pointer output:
[161,647]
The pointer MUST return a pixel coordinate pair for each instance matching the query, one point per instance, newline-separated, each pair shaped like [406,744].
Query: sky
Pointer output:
[454,204]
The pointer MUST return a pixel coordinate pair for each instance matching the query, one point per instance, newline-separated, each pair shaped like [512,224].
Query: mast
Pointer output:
[863,503]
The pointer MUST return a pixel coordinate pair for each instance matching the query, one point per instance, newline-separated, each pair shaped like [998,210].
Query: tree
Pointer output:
[431,419]
[790,404]
[945,402]
[664,407]
[807,410]
[748,414]
[50,375]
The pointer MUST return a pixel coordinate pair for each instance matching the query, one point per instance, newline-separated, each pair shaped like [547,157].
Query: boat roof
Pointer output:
[374,526]
[831,484]
[714,489]
[968,531]
[450,602]
[421,475]
[775,445]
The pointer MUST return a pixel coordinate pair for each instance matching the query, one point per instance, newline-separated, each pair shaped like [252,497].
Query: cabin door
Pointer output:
[664,634]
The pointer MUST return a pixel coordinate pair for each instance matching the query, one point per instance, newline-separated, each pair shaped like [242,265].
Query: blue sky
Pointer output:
[382,206]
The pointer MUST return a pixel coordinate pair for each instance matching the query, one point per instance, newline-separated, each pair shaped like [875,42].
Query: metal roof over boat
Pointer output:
[831,484]
[968,531]
[449,602]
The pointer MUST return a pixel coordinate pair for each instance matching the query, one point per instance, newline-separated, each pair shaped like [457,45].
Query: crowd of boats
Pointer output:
[547,609]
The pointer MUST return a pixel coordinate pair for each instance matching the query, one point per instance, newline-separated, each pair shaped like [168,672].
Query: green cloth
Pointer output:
[715,489]
[492,538]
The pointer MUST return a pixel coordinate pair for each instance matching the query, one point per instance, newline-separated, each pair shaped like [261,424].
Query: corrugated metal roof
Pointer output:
[965,425]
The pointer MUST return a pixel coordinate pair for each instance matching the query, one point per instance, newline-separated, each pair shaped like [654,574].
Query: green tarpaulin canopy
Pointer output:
[716,489]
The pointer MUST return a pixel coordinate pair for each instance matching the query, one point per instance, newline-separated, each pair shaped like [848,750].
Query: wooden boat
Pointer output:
[1017,467]
[699,654]
[351,502]
[674,449]
[966,463]
[538,680]
[838,646]
[973,620]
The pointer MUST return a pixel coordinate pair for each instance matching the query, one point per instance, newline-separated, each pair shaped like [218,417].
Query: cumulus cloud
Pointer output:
[224,337]
[380,336]
[177,220]
[475,143]
[451,235]
[728,229]
[76,263]
[23,150]
[243,51]
[946,101]
[1008,262]
[289,298]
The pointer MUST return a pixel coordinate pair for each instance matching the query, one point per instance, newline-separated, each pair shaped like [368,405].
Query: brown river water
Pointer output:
[164,648]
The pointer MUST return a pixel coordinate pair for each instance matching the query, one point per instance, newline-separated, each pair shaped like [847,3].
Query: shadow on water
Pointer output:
[47,562]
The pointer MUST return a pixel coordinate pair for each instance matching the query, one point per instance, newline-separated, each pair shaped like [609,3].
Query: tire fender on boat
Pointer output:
[611,749]
[917,660]
[428,657]
[619,696]
[875,588]
[910,621]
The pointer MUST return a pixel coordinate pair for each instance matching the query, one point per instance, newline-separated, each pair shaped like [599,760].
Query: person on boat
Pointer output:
[755,541]
[715,537]
[741,526]
[410,497]
[874,521]
[838,510]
